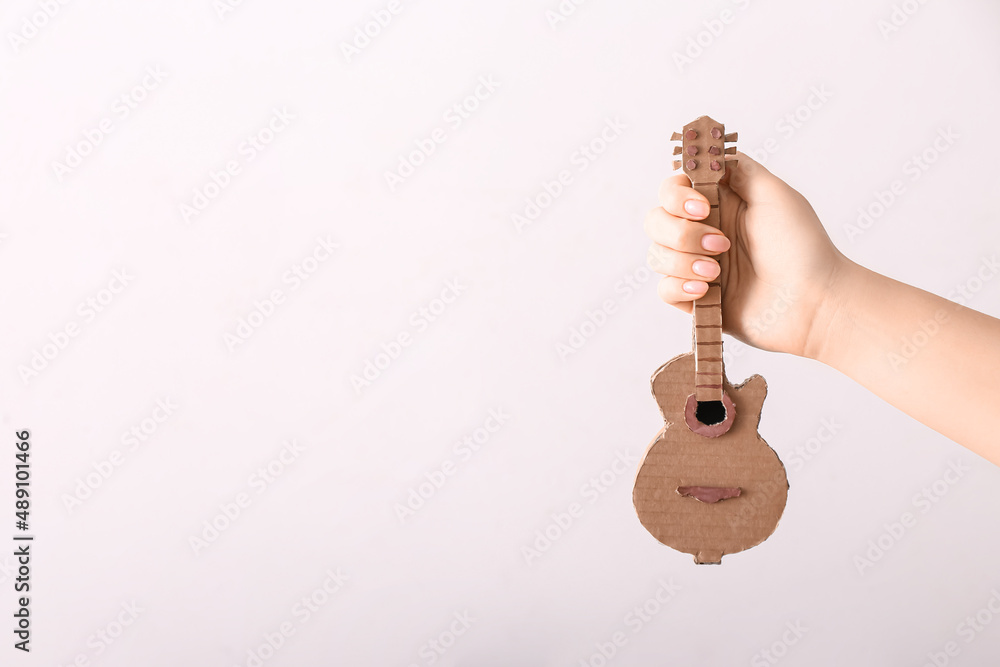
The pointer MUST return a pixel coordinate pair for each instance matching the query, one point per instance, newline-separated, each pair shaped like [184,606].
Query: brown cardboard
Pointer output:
[708,489]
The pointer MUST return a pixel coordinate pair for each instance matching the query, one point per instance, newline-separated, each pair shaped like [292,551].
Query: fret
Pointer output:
[710,190]
[704,162]
[712,334]
[702,394]
[708,318]
[713,295]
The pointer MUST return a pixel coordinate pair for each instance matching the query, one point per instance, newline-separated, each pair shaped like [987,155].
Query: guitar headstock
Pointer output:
[703,150]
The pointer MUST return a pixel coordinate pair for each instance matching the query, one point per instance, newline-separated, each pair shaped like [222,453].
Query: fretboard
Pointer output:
[708,319]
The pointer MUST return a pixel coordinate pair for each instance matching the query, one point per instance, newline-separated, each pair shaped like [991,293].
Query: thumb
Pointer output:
[753,182]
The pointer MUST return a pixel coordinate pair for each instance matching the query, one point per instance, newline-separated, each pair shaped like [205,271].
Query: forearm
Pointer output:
[933,359]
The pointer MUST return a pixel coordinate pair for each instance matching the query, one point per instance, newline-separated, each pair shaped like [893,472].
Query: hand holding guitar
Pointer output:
[773,253]
[835,311]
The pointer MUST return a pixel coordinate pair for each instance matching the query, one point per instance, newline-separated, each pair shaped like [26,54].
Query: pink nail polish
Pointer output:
[696,208]
[704,268]
[715,242]
[694,287]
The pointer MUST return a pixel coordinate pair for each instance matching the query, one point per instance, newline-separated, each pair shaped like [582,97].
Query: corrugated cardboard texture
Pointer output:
[717,459]
[738,458]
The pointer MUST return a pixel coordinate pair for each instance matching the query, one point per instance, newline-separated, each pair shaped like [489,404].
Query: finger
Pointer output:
[752,181]
[678,198]
[685,265]
[684,235]
[680,292]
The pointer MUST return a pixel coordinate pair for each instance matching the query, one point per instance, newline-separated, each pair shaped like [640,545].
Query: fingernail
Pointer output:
[704,268]
[715,242]
[695,287]
[696,207]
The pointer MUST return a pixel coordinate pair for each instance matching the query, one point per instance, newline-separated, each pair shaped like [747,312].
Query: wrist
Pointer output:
[833,320]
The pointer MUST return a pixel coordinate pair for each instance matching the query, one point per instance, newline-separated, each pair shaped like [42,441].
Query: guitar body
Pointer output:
[708,484]
[679,458]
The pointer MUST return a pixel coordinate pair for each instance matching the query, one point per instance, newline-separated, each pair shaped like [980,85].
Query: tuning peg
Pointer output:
[677,164]
[730,157]
[731,150]
[677,150]
[676,136]
[732,136]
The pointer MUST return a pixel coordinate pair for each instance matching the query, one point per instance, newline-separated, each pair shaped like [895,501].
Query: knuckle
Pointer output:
[690,236]
[668,193]
[665,291]
[659,259]
[649,222]
[670,290]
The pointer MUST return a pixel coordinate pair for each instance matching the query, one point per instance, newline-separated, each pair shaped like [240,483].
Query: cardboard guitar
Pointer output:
[708,484]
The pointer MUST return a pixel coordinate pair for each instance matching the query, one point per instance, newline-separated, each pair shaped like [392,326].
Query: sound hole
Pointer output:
[710,412]
[709,418]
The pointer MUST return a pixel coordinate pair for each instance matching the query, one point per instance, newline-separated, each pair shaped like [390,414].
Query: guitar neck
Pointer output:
[708,318]
[704,156]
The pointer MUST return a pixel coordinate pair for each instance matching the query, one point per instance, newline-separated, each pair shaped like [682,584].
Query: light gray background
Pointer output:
[885,97]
